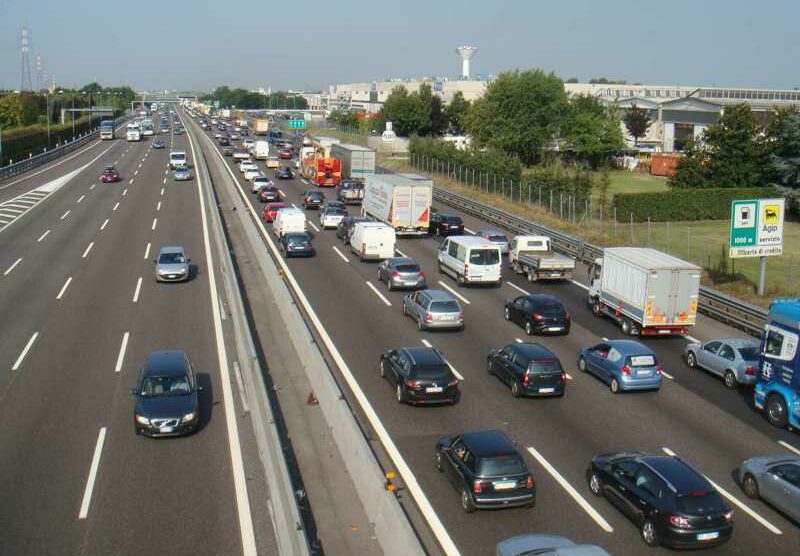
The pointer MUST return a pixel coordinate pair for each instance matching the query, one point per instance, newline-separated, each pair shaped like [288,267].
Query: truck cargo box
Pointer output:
[357,162]
[402,203]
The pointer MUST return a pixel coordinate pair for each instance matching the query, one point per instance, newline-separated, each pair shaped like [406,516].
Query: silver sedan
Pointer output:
[735,360]
[774,479]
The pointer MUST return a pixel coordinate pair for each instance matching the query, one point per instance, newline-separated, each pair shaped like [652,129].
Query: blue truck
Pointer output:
[777,390]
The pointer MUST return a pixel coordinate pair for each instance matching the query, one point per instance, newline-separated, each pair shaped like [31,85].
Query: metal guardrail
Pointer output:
[712,303]
[32,162]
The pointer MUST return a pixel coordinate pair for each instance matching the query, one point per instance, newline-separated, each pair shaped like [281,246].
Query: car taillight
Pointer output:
[537,316]
[729,517]
[413,383]
[679,521]
[422,274]
[428,316]
[563,376]
[568,317]
[395,274]
[531,483]
[461,315]
[660,369]
[525,378]
[749,371]
[626,370]
[477,487]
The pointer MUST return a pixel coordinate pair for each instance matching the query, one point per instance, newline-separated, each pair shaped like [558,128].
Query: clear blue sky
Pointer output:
[188,44]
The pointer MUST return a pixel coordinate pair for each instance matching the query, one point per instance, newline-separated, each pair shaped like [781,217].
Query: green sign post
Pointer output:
[757,231]
[297,124]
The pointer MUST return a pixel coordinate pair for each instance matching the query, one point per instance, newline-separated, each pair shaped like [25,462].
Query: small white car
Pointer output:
[241,155]
[273,162]
[250,175]
[331,214]
[247,165]
[259,182]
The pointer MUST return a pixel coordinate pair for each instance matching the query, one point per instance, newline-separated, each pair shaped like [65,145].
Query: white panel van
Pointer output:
[470,260]
[289,220]
[373,240]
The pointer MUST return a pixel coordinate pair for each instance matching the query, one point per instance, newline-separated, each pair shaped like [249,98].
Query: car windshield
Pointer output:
[550,309]
[749,353]
[500,466]
[432,372]
[171,258]
[641,360]
[444,307]
[407,268]
[158,386]
[484,256]
[701,504]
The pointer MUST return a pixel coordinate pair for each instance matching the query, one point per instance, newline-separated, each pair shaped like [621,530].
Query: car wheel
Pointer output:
[441,270]
[730,379]
[460,281]
[691,359]
[750,486]
[626,327]
[596,310]
[466,502]
[596,484]
[389,284]
[582,365]
[776,411]
[438,459]
[400,394]
[528,328]
[405,311]
[438,232]
[649,534]
[383,371]
[507,313]
[515,390]
[531,276]
[420,324]
[614,386]
[490,367]
[456,397]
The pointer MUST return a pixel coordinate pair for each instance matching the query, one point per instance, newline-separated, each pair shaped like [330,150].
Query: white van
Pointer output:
[372,240]
[289,220]
[470,260]
[177,158]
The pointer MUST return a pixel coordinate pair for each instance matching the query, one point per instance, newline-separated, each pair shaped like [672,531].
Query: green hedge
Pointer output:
[19,143]
[685,204]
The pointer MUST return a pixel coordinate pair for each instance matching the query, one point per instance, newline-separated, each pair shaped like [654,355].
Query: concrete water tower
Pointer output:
[466,52]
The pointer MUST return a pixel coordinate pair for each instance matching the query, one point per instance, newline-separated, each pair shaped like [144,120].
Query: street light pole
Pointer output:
[47,109]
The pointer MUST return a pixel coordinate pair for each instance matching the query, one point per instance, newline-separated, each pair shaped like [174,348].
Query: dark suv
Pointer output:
[672,504]
[419,375]
[530,369]
[485,467]
[166,396]
[443,224]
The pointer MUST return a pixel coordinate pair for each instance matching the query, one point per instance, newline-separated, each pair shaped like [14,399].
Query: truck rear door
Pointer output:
[403,197]
[421,207]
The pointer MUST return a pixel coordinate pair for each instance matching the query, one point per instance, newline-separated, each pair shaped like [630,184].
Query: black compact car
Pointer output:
[443,224]
[345,228]
[227,151]
[269,194]
[671,503]
[486,468]
[297,244]
[420,376]
[223,141]
[284,173]
[538,314]
[312,199]
[530,369]
[166,396]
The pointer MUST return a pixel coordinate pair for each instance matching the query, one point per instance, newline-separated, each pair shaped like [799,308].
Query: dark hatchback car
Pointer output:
[297,244]
[671,503]
[538,314]
[530,369]
[443,224]
[313,199]
[224,141]
[166,396]
[284,173]
[420,375]
[486,468]
[269,194]
[345,228]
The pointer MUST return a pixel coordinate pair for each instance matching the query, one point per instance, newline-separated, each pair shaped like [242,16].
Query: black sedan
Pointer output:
[313,199]
[297,244]
[530,369]
[443,224]
[284,173]
[420,376]
[538,314]
[166,396]
[486,468]
[269,194]
[671,503]
[345,228]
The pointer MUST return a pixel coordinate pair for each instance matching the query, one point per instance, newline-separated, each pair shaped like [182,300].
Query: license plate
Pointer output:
[546,390]
[707,536]
[171,276]
[556,274]
[664,331]
[554,329]
[166,429]
[643,373]
[504,485]
[433,389]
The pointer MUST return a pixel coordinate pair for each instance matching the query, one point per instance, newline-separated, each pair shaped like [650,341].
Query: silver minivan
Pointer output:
[433,309]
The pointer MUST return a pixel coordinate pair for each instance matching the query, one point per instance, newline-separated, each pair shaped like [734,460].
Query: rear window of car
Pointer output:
[700,504]
[501,466]
[407,268]
[444,307]
[641,360]
[550,366]
[432,372]
[749,353]
[550,309]
[484,256]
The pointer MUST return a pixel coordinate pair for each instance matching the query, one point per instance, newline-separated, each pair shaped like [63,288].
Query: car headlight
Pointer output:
[188,417]
[142,420]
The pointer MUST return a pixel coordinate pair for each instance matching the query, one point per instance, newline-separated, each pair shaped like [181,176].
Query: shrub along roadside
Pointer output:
[489,162]
[685,204]
[20,142]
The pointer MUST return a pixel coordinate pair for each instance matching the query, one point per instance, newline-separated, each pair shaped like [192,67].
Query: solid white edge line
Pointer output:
[581,501]
[64,288]
[310,223]
[25,351]
[767,525]
[453,369]
[516,287]
[379,294]
[87,492]
[88,248]
[237,463]
[137,290]
[44,235]
[789,447]
[666,374]
[122,349]
[454,292]
[155,222]
[105,223]
[580,285]
[12,267]
[693,339]
[469,231]
[342,255]
[411,482]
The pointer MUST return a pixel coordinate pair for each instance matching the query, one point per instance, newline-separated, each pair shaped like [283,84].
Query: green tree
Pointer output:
[732,153]
[572,80]
[19,109]
[520,114]
[456,112]
[637,121]
[408,113]
[784,135]
[590,131]
[92,88]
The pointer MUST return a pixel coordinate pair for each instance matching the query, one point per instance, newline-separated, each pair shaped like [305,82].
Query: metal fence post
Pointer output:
[632,228]
[615,221]
[529,195]
[494,187]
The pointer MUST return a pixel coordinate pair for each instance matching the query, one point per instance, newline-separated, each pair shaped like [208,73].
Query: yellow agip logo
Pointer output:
[771,214]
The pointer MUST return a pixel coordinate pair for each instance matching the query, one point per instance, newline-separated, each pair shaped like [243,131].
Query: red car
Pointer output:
[285,154]
[271,210]
[110,175]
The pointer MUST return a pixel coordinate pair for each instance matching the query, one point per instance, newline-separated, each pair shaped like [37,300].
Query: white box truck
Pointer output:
[289,220]
[357,162]
[261,149]
[372,240]
[399,200]
[646,291]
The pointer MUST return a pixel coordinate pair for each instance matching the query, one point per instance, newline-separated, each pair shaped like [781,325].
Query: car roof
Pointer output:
[438,295]
[678,473]
[533,350]
[424,355]
[165,363]
[740,342]
[171,249]
[630,347]
[543,298]
[402,260]
[488,443]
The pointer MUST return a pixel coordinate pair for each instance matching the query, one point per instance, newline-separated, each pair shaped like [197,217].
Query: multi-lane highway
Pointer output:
[693,415]
[81,311]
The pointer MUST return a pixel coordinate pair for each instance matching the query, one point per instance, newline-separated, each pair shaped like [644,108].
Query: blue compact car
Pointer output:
[623,365]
